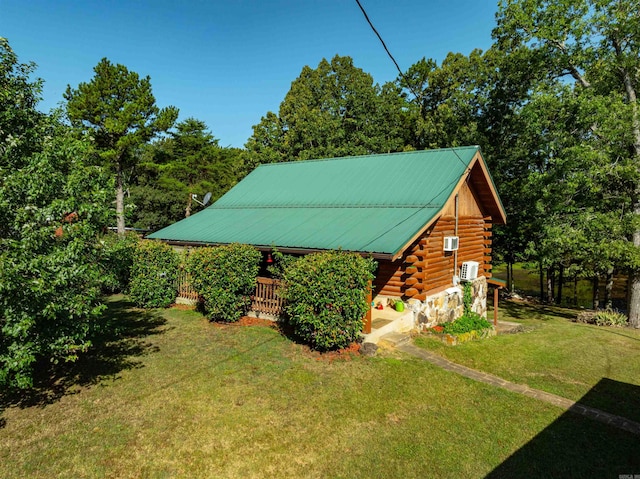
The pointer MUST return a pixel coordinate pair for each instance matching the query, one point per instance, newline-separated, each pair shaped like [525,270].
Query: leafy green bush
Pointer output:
[153,275]
[467,298]
[610,317]
[281,262]
[602,317]
[116,260]
[326,297]
[225,277]
[466,323]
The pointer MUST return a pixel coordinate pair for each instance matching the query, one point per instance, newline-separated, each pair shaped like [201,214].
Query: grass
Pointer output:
[172,395]
[558,356]
[527,281]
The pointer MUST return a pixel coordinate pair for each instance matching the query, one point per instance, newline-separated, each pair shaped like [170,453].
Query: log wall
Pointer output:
[425,268]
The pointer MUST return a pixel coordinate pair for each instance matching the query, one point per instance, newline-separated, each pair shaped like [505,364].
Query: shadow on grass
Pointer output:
[577,446]
[117,344]
[519,310]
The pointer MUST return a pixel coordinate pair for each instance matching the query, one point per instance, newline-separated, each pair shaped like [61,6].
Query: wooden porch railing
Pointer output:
[266,299]
[184,286]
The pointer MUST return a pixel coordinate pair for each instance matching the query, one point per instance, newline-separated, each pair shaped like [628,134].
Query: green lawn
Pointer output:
[558,356]
[176,396]
[527,282]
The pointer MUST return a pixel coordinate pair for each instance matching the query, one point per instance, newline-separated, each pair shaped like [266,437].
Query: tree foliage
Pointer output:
[118,112]
[446,101]
[53,207]
[576,154]
[188,161]
[331,111]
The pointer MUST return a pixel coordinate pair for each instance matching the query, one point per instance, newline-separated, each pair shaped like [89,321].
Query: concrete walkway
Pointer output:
[402,343]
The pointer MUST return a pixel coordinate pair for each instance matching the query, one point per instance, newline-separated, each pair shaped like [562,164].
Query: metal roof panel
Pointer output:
[374,203]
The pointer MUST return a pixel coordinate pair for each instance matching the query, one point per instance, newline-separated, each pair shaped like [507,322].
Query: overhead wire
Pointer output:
[419,98]
[404,77]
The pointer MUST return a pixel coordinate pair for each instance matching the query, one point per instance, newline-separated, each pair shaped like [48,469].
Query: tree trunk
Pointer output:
[633,305]
[187,212]
[541,276]
[119,201]
[608,289]
[550,285]
[596,292]
[560,281]
[575,290]
[509,276]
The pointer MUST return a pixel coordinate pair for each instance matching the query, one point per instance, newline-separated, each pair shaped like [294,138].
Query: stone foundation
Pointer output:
[448,305]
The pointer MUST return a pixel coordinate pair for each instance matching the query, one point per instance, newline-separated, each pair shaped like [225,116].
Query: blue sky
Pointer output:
[229,62]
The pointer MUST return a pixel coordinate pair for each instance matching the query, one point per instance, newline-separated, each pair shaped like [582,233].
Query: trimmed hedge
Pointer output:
[225,277]
[326,297]
[153,275]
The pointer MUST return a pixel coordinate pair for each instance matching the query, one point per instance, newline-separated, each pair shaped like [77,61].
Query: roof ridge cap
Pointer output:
[369,155]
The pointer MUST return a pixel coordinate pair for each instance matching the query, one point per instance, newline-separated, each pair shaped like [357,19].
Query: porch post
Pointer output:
[367,317]
[495,305]
[497,285]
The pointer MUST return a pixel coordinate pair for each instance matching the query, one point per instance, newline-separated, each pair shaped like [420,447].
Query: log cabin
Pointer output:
[399,208]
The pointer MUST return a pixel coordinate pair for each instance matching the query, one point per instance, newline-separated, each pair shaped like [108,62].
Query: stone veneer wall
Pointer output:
[448,305]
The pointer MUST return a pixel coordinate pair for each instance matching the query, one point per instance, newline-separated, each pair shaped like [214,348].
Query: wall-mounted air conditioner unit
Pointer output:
[450,243]
[469,270]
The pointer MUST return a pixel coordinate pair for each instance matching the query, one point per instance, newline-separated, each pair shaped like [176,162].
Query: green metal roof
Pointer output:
[373,203]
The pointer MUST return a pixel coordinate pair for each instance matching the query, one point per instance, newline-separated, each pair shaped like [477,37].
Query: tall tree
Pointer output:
[20,122]
[52,207]
[119,111]
[446,101]
[188,161]
[333,110]
[596,43]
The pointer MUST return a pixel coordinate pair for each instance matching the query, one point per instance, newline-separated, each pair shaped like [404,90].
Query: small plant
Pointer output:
[326,297]
[225,277]
[467,298]
[610,317]
[603,317]
[153,275]
[465,324]
[586,317]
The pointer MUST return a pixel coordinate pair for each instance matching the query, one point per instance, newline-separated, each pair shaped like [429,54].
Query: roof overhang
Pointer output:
[282,249]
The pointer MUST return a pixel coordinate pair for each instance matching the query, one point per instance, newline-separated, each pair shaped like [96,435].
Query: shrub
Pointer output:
[326,297]
[603,317]
[281,262]
[466,323]
[610,317]
[116,260]
[153,275]
[225,277]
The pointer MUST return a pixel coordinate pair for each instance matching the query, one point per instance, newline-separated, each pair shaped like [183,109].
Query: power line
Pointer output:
[409,86]
[418,97]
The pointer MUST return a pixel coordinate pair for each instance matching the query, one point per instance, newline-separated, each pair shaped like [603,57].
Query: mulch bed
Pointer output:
[183,307]
[251,321]
[344,354]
